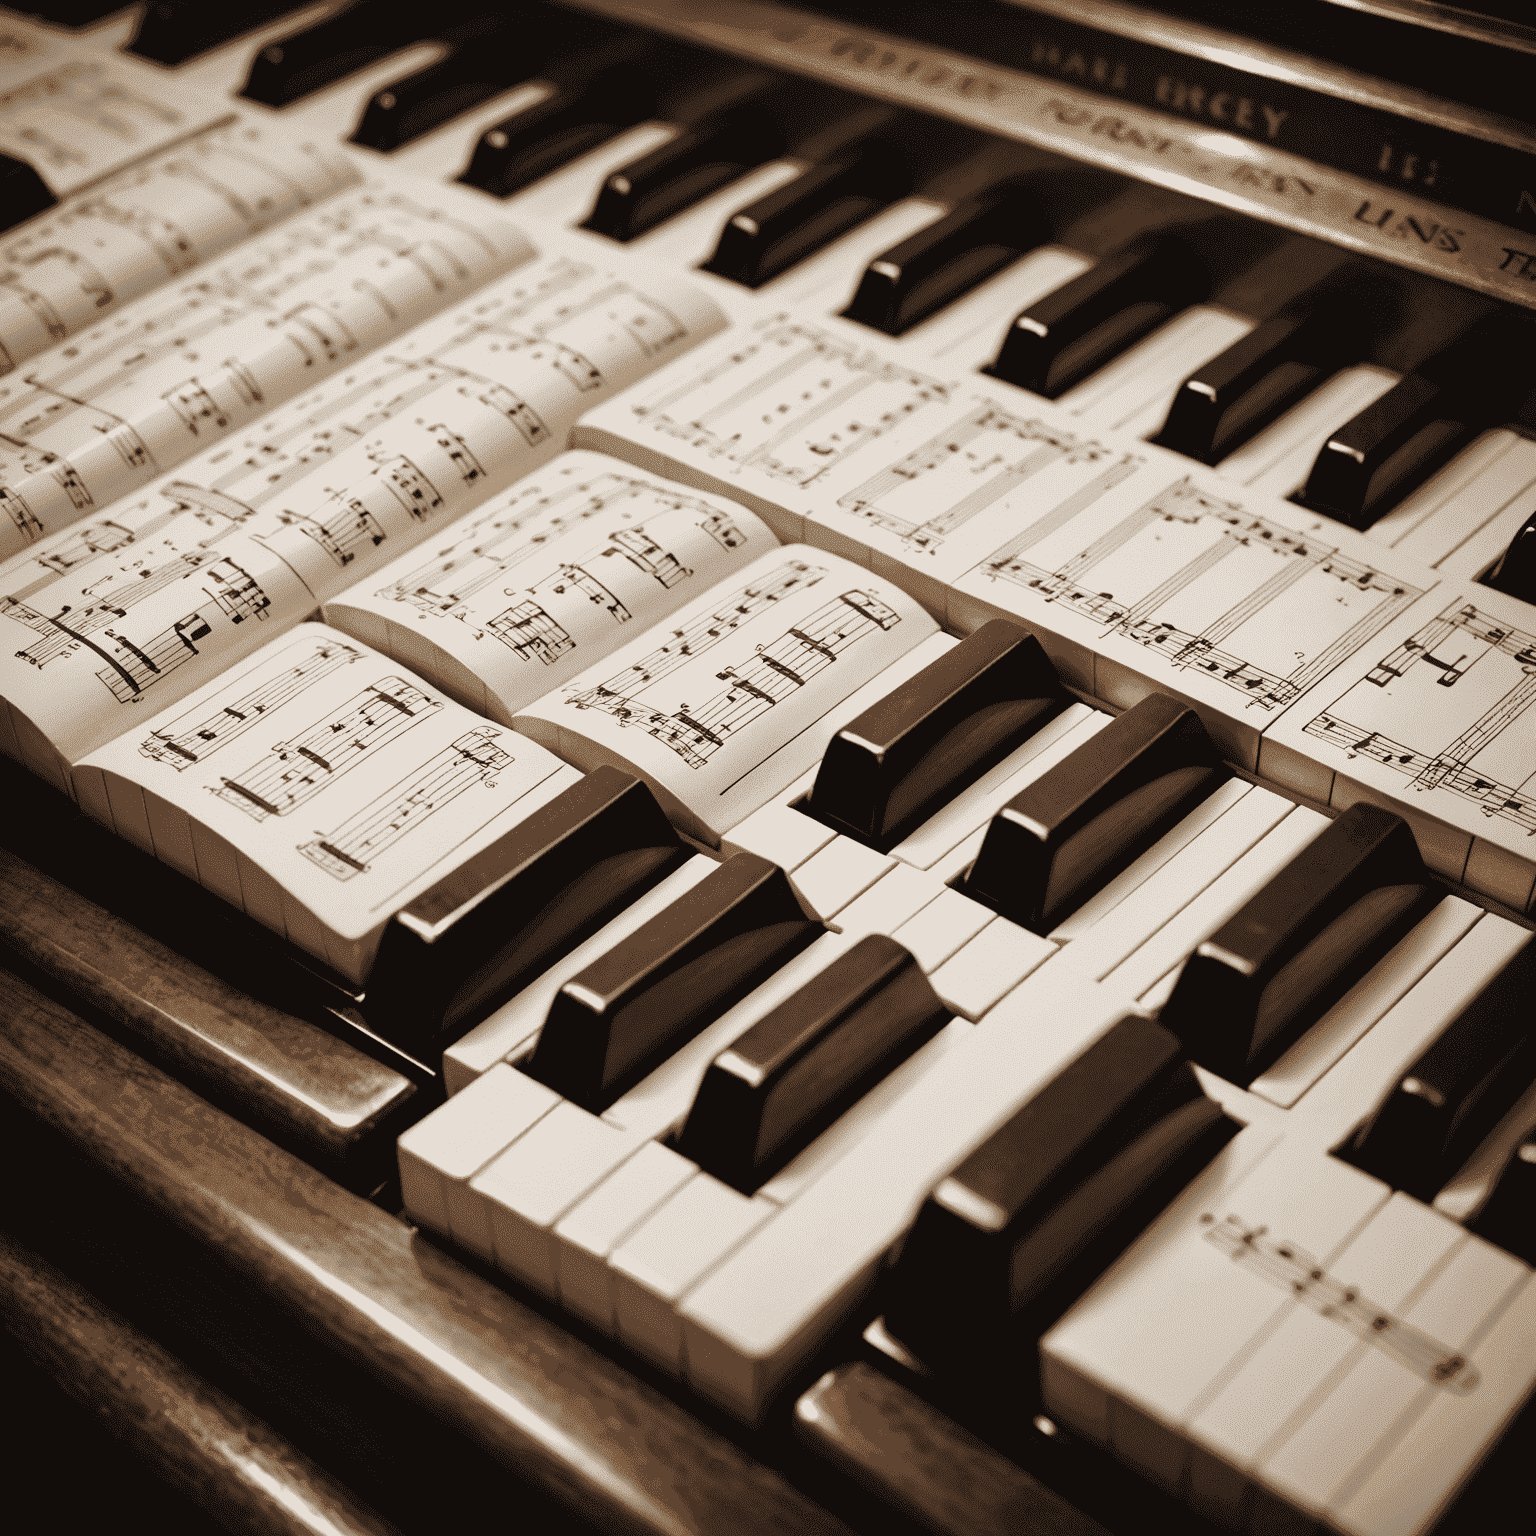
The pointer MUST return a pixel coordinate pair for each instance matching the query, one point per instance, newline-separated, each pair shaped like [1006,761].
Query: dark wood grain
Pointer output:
[191,1435]
[547,1406]
[925,1464]
[299,1085]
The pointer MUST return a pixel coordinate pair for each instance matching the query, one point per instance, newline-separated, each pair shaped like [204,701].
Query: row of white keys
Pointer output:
[1135,1389]
[513,1028]
[1462,518]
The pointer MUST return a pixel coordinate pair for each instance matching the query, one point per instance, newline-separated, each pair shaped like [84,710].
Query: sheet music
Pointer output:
[996,502]
[318,786]
[67,269]
[547,578]
[175,370]
[153,599]
[1436,713]
[77,112]
[717,707]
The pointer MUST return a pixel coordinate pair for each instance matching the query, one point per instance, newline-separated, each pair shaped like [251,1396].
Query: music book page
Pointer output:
[174,371]
[69,268]
[1137,568]
[78,112]
[319,787]
[727,702]
[547,578]
[155,598]
[1433,718]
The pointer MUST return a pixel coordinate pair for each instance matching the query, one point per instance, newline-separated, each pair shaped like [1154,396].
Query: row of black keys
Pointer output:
[731,118]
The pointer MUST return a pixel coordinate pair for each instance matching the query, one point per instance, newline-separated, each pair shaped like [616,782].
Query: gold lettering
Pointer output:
[1218,106]
[1244,117]
[1379,220]
[1449,240]
[1163,92]
[1273,120]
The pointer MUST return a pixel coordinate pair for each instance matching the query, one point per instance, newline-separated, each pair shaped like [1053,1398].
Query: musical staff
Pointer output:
[348,851]
[194,737]
[793,403]
[297,770]
[1483,676]
[1245,587]
[1292,1269]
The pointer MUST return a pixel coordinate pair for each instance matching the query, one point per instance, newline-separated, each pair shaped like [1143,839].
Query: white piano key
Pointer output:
[1156,900]
[511,1030]
[1132,1384]
[329,115]
[1134,392]
[855,1123]
[901,894]
[980,973]
[1408,1491]
[976,806]
[597,1224]
[967,334]
[841,871]
[1150,973]
[531,1185]
[660,1102]
[442,1153]
[1136,874]
[1357,1082]
[779,833]
[674,1247]
[940,929]
[772,1303]
[1459,498]
[689,238]
[1368,1000]
[446,151]
[1293,1366]
[1476,553]
[1320,1463]
[1277,461]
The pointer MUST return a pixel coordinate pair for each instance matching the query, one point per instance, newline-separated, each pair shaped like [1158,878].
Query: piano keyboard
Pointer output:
[778,1205]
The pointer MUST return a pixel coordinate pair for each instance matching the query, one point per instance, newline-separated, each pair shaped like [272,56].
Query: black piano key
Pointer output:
[583,111]
[1300,943]
[1060,1187]
[1515,572]
[826,200]
[173,31]
[795,1071]
[477,69]
[1508,1215]
[701,159]
[1079,824]
[610,1025]
[364,32]
[891,768]
[938,264]
[1457,1091]
[513,910]
[1398,441]
[1240,391]
[1081,325]
[23,192]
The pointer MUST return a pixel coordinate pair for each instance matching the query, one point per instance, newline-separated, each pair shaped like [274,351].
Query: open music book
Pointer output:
[1138,569]
[727,703]
[318,787]
[67,269]
[547,578]
[170,373]
[144,604]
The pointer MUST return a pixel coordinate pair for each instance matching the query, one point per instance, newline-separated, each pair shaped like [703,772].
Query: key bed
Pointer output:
[684,1288]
